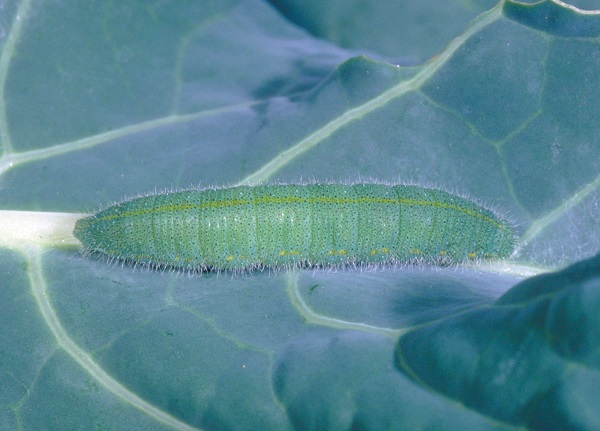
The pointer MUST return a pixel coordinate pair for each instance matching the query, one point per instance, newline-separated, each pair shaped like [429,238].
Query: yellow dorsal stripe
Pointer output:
[300,200]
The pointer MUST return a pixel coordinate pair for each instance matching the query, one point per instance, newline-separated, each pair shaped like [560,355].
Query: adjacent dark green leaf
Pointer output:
[529,359]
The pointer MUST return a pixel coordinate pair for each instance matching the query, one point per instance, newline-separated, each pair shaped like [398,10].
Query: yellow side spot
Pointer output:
[340,252]
[286,252]
[230,258]
[472,255]
[382,250]
[415,251]
[443,252]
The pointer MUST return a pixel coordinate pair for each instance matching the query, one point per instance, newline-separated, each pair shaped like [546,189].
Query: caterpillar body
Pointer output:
[280,226]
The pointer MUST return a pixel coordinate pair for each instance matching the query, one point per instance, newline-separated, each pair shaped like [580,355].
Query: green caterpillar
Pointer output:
[281,226]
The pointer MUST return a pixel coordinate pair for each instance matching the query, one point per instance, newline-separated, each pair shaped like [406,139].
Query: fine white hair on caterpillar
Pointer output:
[296,225]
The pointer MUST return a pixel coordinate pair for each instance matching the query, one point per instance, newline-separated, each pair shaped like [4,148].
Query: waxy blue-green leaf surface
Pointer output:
[414,31]
[105,100]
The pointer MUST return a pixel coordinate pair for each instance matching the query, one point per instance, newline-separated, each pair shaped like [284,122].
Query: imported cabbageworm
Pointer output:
[283,226]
